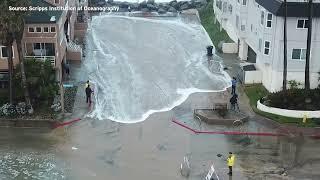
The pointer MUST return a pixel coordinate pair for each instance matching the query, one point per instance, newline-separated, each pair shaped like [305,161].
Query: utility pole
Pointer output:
[285,61]
[307,66]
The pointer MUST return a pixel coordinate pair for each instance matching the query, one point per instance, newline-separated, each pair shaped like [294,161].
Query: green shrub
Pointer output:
[41,81]
[293,84]
[295,99]
[207,16]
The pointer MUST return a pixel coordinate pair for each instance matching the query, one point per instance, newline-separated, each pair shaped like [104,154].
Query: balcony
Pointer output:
[52,59]
[41,51]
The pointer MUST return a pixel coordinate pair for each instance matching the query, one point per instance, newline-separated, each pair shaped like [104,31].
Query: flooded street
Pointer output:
[154,148]
[146,59]
[98,148]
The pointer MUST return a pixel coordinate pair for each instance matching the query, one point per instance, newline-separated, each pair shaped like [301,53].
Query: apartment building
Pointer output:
[257,27]
[49,35]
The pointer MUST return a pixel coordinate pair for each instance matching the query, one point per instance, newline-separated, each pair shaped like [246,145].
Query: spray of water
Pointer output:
[141,66]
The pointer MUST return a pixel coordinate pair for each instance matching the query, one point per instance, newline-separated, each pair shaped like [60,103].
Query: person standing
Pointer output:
[234,102]
[88,94]
[67,66]
[234,84]
[230,162]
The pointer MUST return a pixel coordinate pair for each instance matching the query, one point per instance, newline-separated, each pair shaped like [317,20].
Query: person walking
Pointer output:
[88,94]
[230,162]
[234,84]
[234,102]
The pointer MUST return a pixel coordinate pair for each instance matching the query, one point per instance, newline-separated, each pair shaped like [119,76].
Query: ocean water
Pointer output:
[140,66]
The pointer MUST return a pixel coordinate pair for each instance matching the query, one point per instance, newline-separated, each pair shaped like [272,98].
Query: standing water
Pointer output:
[140,66]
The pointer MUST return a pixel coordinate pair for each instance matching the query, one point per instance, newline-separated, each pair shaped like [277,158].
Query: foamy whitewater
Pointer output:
[141,66]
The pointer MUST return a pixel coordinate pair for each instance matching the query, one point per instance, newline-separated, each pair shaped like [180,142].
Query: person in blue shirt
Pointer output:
[234,84]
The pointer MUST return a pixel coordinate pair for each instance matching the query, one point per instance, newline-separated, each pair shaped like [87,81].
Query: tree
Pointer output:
[284,83]
[7,40]
[13,23]
[41,80]
[307,65]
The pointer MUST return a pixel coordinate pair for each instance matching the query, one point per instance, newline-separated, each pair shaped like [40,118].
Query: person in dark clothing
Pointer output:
[234,102]
[88,94]
[234,84]
[67,68]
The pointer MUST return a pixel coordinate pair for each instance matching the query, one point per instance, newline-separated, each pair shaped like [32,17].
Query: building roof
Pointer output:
[294,9]
[37,17]
[249,67]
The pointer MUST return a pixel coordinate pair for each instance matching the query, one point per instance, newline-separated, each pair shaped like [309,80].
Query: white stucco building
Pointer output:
[257,27]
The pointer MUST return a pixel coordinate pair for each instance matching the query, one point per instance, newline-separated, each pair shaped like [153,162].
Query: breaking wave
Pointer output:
[141,66]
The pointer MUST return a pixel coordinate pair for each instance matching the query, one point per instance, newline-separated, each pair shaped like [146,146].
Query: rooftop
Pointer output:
[295,9]
[37,17]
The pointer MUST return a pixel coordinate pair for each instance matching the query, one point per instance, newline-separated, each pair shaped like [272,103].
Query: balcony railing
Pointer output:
[52,59]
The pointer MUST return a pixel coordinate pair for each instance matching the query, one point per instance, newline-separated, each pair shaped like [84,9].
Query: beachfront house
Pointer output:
[49,35]
[257,28]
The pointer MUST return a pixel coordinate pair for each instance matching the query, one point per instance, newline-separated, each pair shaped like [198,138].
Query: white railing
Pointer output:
[52,59]
[73,47]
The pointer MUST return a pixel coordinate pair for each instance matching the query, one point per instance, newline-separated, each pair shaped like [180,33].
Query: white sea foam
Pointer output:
[142,66]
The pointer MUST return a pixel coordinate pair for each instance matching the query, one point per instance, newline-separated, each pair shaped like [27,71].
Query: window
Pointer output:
[262,18]
[36,45]
[266,47]
[244,2]
[260,44]
[4,77]
[4,52]
[45,29]
[269,20]
[299,54]
[38,29]
[30,29]
[53,29]
[302,23]
[56,1]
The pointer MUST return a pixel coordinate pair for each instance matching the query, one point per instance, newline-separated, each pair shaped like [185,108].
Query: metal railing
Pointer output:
[52,59]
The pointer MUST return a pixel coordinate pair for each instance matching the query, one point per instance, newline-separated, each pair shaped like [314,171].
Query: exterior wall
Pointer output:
[4,61]
[61,41]
[229,47]
[80,30]
[271,66]
[72,19]
[253,77]
[74,56]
